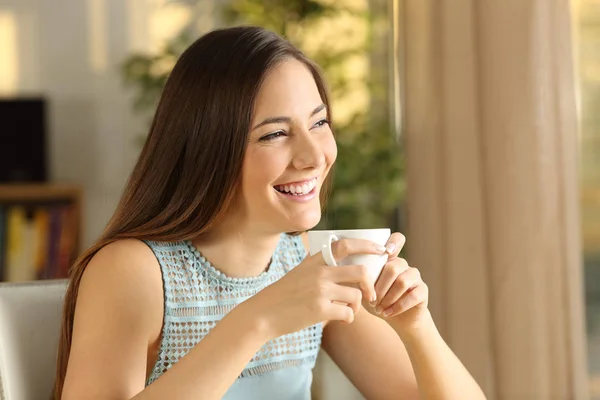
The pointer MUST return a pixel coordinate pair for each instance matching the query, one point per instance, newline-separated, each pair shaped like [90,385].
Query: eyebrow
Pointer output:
[280,120]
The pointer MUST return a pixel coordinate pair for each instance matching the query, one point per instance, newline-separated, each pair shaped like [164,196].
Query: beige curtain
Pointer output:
[491,134]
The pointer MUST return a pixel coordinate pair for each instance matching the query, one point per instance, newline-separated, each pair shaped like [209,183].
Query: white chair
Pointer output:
[30,318]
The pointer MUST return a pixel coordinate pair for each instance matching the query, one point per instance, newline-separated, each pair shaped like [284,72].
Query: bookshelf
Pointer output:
[40,230]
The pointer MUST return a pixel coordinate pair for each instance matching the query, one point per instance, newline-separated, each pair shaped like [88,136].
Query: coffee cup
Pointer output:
[320,241]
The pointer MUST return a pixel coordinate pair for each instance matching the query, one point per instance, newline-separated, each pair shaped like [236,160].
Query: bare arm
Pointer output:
[119,318]
[372,356]
[439,372]
[382,366]
[213,365]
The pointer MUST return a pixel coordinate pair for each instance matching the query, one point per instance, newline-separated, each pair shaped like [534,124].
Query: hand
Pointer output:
[314,292]
[402,296]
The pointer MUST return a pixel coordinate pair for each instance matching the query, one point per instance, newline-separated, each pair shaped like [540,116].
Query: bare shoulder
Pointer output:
[129,251]
[127,275]
[118,321]
[126,269]
[128,256]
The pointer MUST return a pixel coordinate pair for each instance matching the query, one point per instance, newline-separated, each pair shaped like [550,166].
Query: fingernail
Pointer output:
[374,300]
[381,249]
[378,310]
[390,247]
[387,312]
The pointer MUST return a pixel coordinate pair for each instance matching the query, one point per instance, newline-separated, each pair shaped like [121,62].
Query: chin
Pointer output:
[303,223]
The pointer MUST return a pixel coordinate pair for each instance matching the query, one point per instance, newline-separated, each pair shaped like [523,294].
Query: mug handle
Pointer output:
[326,251]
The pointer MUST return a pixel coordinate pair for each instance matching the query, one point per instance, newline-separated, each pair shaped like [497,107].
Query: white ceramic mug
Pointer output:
[320,241]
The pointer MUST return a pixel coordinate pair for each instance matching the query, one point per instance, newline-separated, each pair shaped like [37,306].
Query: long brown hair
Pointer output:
[188,170]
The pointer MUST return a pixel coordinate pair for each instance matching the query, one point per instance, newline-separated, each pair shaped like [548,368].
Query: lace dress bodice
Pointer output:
[197,296]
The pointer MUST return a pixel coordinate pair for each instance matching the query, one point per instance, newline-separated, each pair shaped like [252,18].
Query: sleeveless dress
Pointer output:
[197,296]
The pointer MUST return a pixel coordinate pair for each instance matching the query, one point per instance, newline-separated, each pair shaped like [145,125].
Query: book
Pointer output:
[2,242]
[19,266]
[66,244]
[41,227]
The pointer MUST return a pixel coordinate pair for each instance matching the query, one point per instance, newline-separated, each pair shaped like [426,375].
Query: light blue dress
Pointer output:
[197,296]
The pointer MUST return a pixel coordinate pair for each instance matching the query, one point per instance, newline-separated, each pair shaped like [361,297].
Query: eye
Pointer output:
[321,123]
[272,136]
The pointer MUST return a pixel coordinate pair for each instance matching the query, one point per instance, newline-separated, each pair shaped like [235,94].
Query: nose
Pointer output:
[308,152]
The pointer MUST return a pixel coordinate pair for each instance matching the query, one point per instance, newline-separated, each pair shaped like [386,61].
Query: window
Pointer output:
[587,36]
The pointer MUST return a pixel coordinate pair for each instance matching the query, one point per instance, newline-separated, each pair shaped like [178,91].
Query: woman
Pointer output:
[197,291]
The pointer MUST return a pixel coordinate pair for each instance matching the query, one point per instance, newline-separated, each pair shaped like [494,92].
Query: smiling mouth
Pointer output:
[296,189]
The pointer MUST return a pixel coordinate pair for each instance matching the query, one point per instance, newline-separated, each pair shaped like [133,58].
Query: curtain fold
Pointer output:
[491,133]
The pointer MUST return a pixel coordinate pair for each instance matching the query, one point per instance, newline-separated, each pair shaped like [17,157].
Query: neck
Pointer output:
[237,251]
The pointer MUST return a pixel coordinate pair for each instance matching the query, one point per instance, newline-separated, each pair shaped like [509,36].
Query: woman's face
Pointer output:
[290,151]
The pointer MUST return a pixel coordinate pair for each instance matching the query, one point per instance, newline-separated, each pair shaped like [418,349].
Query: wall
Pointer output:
[70,52]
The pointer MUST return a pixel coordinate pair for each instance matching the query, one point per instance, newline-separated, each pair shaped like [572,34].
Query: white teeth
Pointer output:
[299,190]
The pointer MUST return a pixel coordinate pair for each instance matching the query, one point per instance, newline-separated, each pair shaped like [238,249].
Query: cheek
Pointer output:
[261,168]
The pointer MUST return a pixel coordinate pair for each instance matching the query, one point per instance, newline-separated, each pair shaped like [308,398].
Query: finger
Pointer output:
[352,297]
[412,298]
[405,282]
[395,244]
[335,311]
[354,274]
[347,247]
[388,276]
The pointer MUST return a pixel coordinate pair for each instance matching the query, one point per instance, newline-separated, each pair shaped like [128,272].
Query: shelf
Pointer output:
[44,222]
[39,192]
